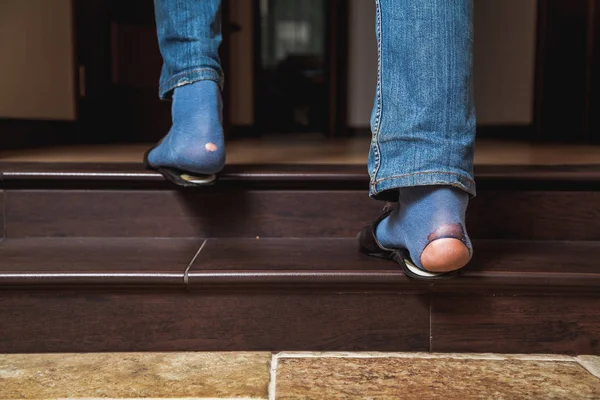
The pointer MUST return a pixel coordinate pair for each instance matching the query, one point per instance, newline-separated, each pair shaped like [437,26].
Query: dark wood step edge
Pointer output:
[75,279]
[49,175]
[476,281]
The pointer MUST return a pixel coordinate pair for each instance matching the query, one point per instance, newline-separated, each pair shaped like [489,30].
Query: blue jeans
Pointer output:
[189,36]
[423,120]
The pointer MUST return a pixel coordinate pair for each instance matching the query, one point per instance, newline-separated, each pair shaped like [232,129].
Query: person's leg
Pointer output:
[423,126]
[189,34]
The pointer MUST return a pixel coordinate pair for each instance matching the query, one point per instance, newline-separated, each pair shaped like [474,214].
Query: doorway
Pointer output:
[119,64]
[298,68]
[299,65]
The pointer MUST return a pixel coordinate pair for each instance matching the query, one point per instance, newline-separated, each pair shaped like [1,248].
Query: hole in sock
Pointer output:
[454,231]
[211,147]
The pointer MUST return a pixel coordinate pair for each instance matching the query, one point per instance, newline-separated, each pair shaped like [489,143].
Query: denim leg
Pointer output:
[189,36]
[423,121]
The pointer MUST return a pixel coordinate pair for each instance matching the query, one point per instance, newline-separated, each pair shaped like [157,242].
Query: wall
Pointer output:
[504,61]
[505,36]
[37,80]
[36,66]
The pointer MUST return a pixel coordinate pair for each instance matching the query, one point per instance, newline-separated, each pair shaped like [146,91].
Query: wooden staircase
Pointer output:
[109,257]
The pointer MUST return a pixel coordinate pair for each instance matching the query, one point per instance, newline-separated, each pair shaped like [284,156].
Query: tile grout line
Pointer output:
[156,398]
[590,369]
[273,376]
[424,355]
[430,323]
[187,270]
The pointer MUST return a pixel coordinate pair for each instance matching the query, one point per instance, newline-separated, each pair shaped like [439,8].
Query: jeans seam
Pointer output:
[378,110]
[424,173]
[182,74]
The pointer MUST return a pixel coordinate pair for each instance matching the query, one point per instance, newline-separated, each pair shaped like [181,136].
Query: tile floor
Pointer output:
[316,150]
[298,376]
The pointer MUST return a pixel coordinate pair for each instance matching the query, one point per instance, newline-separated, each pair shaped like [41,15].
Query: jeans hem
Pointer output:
[189,77]
[385,189]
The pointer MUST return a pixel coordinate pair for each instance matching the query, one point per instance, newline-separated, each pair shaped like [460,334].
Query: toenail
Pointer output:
[210,147]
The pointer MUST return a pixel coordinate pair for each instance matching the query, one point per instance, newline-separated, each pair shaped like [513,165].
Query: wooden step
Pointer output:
[107,175]
[114,200]
[174,294]
[107,257]
[198,264]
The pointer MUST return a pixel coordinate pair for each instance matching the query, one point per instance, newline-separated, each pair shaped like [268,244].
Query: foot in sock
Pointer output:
[430,223]
[195,142]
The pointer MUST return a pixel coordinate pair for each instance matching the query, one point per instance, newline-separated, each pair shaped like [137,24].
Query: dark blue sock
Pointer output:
[195,142]
[424,214]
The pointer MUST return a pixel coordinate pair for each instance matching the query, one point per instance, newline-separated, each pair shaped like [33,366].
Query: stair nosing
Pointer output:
[46,278]
[108,172]
[468,281]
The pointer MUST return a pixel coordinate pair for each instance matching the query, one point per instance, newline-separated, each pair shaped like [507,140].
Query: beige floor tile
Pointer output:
[404,378]
[135,375]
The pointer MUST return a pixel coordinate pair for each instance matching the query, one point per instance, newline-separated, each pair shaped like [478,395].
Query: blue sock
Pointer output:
[424,214]
[195,142]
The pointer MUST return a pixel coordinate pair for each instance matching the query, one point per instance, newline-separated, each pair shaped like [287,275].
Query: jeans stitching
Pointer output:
[425,173]
[168,85]
[182,74]
[378,109]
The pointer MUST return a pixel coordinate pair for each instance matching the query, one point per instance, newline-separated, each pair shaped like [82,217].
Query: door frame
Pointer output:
[567,72]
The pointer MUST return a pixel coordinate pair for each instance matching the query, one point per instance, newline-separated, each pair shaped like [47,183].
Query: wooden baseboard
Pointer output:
[509,132]
[242,131]
[17,133]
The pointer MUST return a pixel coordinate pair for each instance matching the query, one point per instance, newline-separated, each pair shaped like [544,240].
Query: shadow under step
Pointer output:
[148,294]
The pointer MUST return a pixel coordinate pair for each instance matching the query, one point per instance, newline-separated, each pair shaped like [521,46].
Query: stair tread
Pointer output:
[268,261]
[324,254]
[69,173]
[112,261]
[297,254]
[97,254]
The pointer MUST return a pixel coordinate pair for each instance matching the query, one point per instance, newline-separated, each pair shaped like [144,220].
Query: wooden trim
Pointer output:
[562,62]
[594,68]
[77,85]
[507,132]
[539,67]
[256,61]
[338,41]
[243,131]
[589,54]
[21,133]
[92,32]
